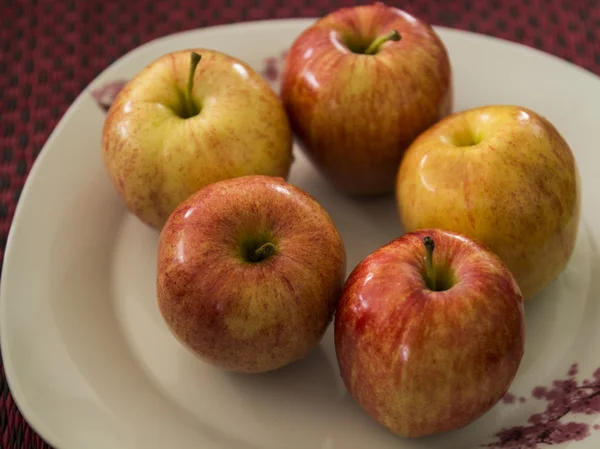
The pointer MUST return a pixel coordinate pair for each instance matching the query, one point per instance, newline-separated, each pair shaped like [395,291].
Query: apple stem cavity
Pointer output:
[262,252]
[429,247]
[374,47]
[191,108]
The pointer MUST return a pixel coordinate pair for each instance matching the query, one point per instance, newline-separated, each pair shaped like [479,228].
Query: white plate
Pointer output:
[92,365]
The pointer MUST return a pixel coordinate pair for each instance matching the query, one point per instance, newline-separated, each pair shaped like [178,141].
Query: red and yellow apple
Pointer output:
[428,340]
[500,174]
[180,125]
[250,271]
[358,86]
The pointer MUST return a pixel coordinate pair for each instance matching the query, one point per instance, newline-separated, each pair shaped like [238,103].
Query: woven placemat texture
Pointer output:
[50,50]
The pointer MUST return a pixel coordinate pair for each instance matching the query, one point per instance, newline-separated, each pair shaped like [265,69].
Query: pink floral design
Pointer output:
[107,93]
[565,397]
[272,68]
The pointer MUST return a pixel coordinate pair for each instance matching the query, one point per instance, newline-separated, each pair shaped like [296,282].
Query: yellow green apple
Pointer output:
[188,119]
[503,175]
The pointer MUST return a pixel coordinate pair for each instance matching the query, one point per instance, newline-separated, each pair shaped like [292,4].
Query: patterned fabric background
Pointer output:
[50,50]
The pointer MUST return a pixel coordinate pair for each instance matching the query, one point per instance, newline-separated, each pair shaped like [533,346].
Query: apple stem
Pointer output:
[429,247]
[262,252]
[374,47]
[191,108]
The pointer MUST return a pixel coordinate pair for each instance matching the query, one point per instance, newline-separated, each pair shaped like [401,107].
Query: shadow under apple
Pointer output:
[364,223]
[553,319]
[82,304]
[286,407]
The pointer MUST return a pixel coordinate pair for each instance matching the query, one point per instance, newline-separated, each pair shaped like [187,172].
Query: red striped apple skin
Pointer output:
[355,114]
[419,361]
[249,316]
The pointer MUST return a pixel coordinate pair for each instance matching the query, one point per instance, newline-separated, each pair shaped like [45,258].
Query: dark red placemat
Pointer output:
[49,51]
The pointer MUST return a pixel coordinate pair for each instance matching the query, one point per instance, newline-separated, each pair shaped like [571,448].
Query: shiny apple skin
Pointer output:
[242,316]
[156,159]
[422,362]
[355,114]
[517,191]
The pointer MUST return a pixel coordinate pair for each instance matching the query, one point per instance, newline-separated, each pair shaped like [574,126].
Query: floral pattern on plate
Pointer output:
[554,425]
[106,94]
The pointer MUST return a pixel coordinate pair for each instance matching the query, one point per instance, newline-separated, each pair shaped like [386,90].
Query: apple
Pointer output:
[428,341]
[502,175]
[358,86]
[188,119]
[249,273]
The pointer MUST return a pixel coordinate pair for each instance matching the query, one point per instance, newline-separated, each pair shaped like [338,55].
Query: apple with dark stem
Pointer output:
[428,341]
[250,271]
[359,86]
[191,118]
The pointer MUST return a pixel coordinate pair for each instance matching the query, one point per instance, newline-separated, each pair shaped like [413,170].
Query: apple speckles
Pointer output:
[503,198]
[239,325]
[156,158]
[393,335]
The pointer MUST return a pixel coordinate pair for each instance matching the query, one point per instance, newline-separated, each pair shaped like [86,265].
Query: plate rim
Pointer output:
[31,417]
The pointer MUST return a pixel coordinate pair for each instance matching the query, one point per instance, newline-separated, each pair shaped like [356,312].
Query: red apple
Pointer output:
[428,341]
[250,271]
[356,96]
